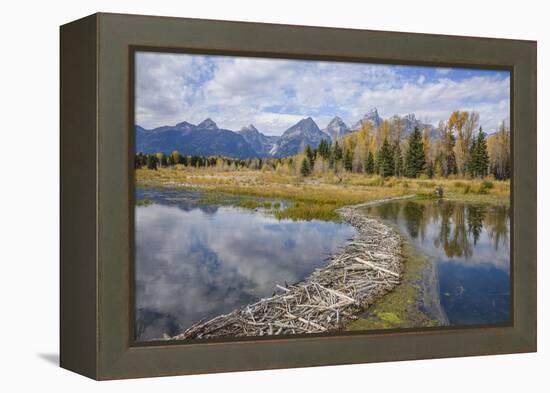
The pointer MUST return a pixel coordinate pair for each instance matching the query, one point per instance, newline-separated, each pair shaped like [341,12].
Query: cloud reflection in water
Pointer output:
[192,264]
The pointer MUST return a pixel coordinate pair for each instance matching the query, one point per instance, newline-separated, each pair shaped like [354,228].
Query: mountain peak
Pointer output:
[372,112]
[249,127]
[308,120]
[304,133]
[336,128]
[184,124]
[337,120]
[371,116]
[305,125]
[208,124]
[261,143]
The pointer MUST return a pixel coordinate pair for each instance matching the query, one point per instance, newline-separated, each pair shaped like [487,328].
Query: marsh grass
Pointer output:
[317,196]
[254,204]
[144,202]
[309,211]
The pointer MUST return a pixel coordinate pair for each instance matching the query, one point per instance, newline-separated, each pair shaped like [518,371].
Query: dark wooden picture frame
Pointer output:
[97,183]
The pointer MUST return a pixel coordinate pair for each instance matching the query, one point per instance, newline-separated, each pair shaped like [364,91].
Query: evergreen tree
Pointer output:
[385,162]
[478,165]
[415,160]
[348,161]
[152,162]
[398,161]
[138,161]
[323,149]
[472,160]
[310,155]
[369,164]
[337,152]
[482,154]
[305,170]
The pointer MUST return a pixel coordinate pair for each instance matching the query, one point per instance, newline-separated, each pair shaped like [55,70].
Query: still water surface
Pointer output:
[470,248]
[196,261]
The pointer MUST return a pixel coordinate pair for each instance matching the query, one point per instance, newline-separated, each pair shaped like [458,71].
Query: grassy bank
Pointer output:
[317,197]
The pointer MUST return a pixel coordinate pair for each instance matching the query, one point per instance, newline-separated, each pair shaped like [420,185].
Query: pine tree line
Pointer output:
[458,150]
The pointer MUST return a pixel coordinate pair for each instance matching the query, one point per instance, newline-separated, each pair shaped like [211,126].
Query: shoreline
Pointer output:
[411,304]
[319,197]
[365,269]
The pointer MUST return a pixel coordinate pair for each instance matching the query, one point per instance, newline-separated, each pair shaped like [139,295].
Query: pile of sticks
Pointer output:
[362,271]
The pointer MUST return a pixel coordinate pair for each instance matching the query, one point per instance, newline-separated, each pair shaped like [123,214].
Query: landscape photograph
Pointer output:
[278,197]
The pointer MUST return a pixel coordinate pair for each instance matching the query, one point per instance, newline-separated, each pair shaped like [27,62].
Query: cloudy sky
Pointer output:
[274,94]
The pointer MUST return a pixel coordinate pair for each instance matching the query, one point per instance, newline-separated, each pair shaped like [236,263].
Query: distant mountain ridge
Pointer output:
[207,139]
[204,139]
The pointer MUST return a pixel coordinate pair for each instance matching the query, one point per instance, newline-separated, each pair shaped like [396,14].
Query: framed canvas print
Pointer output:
[240,196]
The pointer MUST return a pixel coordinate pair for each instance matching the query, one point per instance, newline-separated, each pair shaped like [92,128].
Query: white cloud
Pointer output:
[487,95]
[274,93]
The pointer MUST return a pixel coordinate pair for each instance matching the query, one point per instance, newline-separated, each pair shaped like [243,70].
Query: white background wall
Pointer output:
[29,167]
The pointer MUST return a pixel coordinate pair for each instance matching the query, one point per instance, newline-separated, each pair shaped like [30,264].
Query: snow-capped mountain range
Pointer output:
[207,139]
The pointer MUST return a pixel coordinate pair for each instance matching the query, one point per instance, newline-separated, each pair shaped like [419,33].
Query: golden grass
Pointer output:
[319,196]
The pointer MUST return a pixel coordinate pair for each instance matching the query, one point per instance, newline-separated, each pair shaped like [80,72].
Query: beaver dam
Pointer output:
[362,271]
